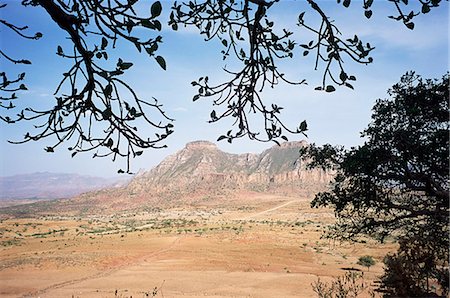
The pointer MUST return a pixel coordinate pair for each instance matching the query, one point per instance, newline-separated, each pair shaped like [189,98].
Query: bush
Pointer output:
[366,261]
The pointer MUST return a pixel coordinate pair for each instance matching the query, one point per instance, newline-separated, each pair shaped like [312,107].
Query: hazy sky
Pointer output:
[336,118]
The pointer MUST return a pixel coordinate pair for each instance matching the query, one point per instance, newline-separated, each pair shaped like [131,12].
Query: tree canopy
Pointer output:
[397,183]
[97,110]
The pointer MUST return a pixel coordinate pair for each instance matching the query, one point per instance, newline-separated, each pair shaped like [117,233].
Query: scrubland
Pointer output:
[252,245]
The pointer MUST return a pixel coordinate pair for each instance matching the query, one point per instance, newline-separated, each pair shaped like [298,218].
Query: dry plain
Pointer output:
[252,245]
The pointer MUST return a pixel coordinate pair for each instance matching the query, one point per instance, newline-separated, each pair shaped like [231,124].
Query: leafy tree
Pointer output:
[366,261]
[397,182]
[98,110]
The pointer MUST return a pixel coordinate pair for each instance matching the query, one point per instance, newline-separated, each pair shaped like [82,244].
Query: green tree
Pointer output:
[366,261]
[91,93]
[397,183]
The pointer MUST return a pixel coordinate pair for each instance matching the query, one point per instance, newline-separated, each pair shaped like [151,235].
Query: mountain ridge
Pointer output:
[47,185]
[201,173]
[203,166]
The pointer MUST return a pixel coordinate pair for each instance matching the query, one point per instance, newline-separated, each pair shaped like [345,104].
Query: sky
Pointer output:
[335,118]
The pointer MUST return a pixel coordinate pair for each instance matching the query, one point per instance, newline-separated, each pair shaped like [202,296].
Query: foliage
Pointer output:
[397,182]
[366,261]
[98,110]
[94,105]
[418,269]
[349,285]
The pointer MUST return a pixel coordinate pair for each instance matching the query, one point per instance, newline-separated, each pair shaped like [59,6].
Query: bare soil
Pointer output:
[253,245]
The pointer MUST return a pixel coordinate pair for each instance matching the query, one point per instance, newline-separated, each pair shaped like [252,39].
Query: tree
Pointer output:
[397,183]
[90,107]
[366,261]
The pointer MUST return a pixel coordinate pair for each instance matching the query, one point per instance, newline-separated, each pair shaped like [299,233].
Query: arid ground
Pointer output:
[253,245]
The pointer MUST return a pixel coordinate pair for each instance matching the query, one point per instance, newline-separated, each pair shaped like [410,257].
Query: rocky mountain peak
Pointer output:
[294,144]
[199,145]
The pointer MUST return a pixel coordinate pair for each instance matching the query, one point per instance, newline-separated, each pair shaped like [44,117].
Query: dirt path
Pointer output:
[268,210]
[107,272]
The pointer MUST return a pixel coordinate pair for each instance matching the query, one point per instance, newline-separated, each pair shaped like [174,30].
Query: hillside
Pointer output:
[201,172]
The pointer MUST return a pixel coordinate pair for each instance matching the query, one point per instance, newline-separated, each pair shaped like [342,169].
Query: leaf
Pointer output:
[368,13]
[319,88]
[368,4]
[343,76]
[195,97]
[59,50]
[126,65]
[157,25]
[225,42]
[49,149]
[106,114]
[305,53]
[300,17]
[120,171]
[410,25]
[425,8]
[138,153]
[161,62]
[349,86]
[146,23]
[151,50]
[156,9]
[330,88]
[104,43]
[346,3]
[108,90]
[303,126]
[109,143]
[221,138]
[213,115]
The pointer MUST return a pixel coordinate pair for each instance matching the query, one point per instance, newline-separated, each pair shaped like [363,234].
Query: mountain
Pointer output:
[200,172]
[44,185]
[202,168]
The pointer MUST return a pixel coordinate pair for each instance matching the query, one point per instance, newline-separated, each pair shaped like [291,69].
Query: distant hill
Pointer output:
[199,172]
[44,185]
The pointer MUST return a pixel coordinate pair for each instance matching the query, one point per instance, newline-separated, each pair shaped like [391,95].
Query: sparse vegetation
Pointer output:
[263,244]
[351,285]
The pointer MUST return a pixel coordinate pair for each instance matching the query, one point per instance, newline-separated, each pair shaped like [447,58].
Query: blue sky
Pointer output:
[336,118]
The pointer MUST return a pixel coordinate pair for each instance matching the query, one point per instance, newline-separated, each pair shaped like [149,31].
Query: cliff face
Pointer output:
[202,168]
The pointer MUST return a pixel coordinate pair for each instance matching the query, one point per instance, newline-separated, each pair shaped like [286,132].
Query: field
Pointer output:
[251,246]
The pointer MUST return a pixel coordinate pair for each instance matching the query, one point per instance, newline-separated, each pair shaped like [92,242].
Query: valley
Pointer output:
[246,245]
